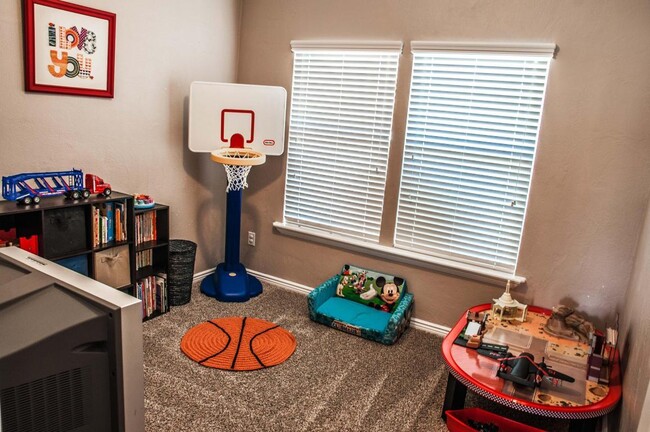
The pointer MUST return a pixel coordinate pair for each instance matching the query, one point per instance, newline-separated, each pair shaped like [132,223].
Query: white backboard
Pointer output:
[220,110]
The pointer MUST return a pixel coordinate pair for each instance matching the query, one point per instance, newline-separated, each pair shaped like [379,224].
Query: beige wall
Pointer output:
[136,141]
[591,179]
[635,334]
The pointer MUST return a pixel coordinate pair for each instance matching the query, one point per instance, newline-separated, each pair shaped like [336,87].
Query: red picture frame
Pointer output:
[69,49]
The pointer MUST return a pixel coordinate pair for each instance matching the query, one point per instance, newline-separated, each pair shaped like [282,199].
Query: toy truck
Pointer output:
[96,185]
[28,188]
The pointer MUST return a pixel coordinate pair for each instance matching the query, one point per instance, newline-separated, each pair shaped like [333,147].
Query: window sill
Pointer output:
[440,265]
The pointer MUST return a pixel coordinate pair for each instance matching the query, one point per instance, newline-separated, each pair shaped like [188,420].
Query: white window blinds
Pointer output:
[472,128]
[339,134]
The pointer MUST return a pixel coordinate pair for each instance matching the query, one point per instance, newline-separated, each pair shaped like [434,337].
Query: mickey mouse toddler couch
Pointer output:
[364,303]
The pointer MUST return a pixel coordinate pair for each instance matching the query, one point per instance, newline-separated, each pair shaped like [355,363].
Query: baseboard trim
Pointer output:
[416,323]
[283,283]
[200,275]
[430,327]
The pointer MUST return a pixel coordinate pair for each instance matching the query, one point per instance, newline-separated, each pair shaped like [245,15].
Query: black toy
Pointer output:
[523,370]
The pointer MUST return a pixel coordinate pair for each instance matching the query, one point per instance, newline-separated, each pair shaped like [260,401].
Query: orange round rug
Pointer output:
[238,343]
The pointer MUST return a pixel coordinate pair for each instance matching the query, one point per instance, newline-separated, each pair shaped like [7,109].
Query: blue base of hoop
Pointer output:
[231,286]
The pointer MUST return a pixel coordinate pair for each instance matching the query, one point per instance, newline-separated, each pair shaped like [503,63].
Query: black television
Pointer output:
[70,350]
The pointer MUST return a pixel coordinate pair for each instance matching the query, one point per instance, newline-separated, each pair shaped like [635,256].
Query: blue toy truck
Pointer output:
[28,188]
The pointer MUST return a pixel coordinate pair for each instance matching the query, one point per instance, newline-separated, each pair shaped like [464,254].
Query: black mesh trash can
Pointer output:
[181,271]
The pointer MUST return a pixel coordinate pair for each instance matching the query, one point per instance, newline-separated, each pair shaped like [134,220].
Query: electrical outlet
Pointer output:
[251,238]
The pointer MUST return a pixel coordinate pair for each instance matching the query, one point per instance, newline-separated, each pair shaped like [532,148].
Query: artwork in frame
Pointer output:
[69,48]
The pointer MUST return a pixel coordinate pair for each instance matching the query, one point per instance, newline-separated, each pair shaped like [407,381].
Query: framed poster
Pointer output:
[69,48]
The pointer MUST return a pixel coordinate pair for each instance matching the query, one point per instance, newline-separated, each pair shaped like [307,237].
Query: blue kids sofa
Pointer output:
[362,302]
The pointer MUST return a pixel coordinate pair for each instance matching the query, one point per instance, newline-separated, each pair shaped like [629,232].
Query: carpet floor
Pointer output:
[333,381]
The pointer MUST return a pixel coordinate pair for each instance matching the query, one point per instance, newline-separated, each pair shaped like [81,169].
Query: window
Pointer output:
[339,134]
[473,121]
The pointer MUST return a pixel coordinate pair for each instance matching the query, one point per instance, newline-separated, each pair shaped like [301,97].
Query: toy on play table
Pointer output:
[475,329]
[523,370]
[505,308]
[239,125]
[567,323]
[141,201]
[472,337]
[29,188]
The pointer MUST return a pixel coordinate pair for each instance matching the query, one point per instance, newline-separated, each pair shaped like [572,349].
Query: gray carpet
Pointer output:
[333,382]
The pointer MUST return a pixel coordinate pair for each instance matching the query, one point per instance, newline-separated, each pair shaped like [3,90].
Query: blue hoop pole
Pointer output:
[233,229]
[230,281]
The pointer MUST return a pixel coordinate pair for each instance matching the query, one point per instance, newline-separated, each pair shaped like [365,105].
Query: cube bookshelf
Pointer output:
[106,239]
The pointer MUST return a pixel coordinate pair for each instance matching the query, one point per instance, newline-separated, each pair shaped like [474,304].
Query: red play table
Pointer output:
[469,370]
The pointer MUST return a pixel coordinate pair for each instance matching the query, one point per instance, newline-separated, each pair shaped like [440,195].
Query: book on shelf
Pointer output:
[102,228]
[120,221]
[109,222]
[143,259]
[145,227]
[105,212]
[152,291]
[118,225]
[95,226]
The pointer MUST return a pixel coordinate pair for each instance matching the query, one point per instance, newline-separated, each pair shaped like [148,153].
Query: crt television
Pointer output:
[70,350]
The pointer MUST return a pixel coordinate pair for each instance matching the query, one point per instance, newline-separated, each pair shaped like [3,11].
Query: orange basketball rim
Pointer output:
[238,343]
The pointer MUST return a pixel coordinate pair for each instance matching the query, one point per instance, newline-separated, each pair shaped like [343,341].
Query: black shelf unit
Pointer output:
[65,231]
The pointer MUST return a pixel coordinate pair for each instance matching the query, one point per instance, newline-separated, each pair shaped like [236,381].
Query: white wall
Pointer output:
[136,141]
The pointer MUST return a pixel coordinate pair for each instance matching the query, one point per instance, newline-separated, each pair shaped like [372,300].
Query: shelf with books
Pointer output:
[152,259]
[152,290]
[152,224]
[110,223]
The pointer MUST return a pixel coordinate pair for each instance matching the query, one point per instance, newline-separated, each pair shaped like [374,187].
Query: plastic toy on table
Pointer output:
[523,370]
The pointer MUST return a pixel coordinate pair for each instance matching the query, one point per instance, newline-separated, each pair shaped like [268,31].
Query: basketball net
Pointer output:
[237,175]
[238,163]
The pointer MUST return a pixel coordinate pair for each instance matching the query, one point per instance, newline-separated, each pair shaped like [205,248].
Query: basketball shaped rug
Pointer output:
[238,343]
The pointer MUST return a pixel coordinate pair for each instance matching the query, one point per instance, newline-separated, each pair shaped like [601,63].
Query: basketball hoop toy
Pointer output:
[211,114]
